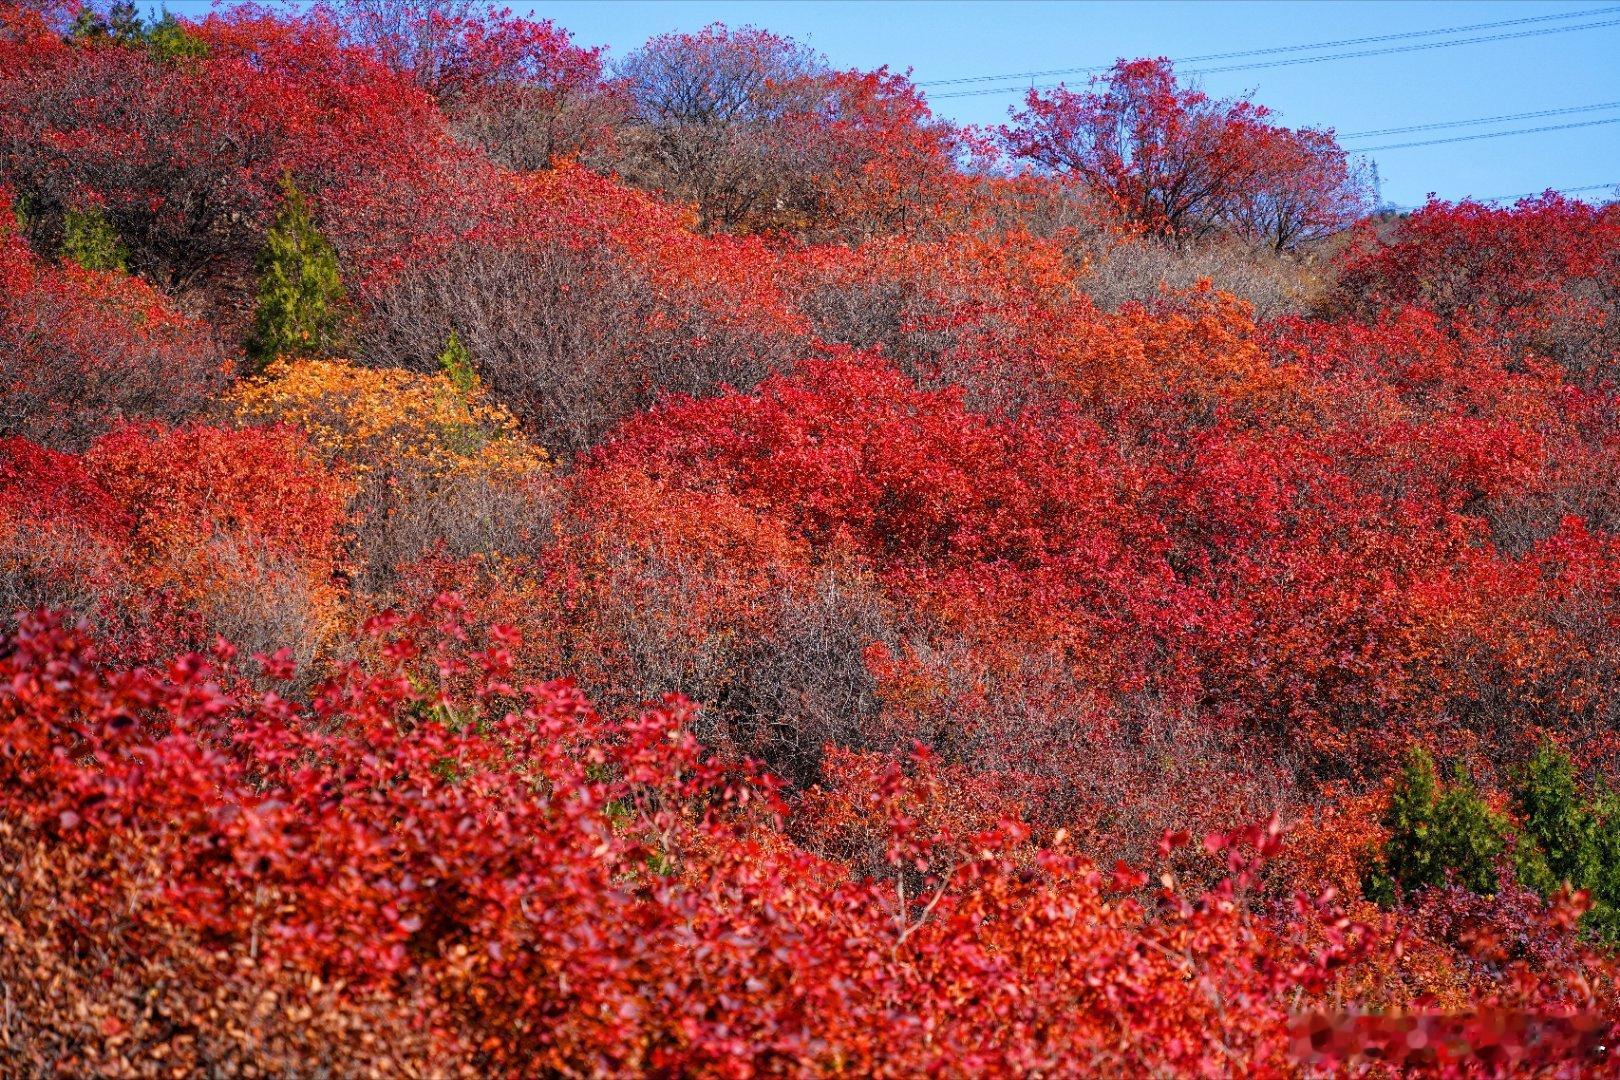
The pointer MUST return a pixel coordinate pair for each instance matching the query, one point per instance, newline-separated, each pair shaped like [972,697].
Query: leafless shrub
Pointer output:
[1076,217]
[1151,753]
[571,341]
[657,622]
[1139,271]
[1111,769]
[406,515]
[533,128]
[887,313]
[938,328]
[705,113]
[268,605]
[254,598]
[56,566]
[807,686]
[778,667]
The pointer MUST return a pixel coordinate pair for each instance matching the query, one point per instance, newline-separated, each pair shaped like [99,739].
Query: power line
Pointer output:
[1481,120]
[1610,185]
[1314,59]
[1486,135]
[1341,43]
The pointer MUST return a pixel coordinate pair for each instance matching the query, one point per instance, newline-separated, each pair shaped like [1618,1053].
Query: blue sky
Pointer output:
[961,38]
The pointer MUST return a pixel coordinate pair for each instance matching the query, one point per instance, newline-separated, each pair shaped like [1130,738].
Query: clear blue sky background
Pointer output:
[956,38]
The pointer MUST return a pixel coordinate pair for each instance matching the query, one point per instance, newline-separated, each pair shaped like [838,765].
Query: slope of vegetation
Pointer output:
[529,563]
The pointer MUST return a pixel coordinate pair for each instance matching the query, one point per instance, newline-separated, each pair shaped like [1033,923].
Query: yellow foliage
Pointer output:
[372,419]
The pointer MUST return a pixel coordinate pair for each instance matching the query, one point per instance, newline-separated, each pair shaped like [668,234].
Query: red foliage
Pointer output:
[452,49]
[1542,276]
[179,535]
[882,163]
[184,156]
[42,484]
[198,481]
[518,87]
[82,351]
[555,888]
[1178,162]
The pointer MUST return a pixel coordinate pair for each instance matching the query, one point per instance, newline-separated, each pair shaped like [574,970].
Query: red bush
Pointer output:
[183,156]
[170,537]
[555,888]
[1541,276]
[82,352]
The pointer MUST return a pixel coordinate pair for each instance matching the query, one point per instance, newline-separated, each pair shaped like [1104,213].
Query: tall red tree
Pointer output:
[1185,165]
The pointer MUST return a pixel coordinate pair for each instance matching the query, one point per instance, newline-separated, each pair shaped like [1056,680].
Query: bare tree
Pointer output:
[706,111]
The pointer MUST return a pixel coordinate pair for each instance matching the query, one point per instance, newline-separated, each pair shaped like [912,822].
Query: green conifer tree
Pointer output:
[1470,836]
[168,40]
[301,301]
[456,364]
[1409,859]
[1436,834]
[24,215]
[1558,845]
[89,239]
[121,24]
[1603,870]
[1570,840]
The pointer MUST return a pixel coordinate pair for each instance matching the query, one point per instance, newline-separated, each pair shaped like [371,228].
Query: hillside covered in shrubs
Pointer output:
[530,562]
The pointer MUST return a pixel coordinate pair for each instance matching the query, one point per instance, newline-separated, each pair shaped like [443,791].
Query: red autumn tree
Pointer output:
[1182,164]
[1303,188]
[708,109]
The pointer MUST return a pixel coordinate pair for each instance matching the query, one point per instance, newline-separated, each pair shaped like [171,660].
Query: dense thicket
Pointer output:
[1076,598]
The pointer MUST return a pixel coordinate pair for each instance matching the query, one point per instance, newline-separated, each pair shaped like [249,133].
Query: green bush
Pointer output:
[166,39]
[1437,834]
[301,304]
[1557,847]
[1571,838]
[89,239]
[456,363]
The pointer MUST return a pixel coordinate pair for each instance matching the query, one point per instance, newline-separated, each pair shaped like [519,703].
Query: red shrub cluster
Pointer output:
[82,351]
[172,537]
[1542,276]
[183,155]
[553,889]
